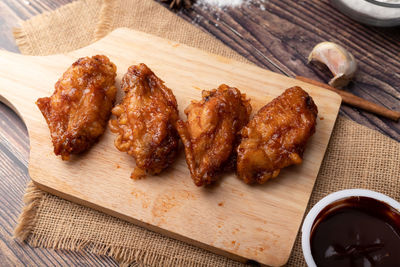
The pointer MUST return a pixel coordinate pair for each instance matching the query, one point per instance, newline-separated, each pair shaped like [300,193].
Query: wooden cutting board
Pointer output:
[258,222]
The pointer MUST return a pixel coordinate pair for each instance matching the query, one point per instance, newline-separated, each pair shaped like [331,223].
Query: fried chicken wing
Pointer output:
[210,135]
[80,106]
[146,121]
[277,136]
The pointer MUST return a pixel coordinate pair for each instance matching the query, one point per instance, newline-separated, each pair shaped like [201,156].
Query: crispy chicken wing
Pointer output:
[80,106]
[210,135]
[277,136]
[146,121]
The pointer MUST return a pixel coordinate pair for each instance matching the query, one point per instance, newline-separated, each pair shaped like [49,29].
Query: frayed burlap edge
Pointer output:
[125,256]
[27,219]
[105,19]
[21,39]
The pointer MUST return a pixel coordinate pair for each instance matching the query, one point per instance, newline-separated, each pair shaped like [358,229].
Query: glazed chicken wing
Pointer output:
[146,121]
[80,106]
[210,135]
[277,136]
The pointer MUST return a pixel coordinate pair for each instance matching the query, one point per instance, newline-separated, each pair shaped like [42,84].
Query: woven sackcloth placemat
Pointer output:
[357,157]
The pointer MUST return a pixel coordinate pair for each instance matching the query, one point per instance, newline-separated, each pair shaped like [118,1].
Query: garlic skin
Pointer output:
[339,61]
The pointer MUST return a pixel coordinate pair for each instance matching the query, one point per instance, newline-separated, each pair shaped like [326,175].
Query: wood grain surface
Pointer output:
[256,214]
[256,34]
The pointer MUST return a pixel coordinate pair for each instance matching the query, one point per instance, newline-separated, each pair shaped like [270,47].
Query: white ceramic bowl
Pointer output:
[313,213]
[371,12]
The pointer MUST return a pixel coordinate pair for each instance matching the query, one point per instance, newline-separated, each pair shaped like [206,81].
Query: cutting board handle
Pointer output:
[17,74]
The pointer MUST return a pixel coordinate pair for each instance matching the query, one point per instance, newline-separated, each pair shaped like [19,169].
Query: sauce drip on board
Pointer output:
[356,231]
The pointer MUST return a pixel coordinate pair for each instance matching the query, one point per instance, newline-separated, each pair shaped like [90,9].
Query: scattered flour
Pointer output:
[223,3]
[219,6]
[226,3]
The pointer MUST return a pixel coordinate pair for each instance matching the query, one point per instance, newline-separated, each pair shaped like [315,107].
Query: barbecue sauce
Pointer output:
[356,231]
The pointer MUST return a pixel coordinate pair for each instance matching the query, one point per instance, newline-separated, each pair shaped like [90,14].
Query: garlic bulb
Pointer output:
[339,61]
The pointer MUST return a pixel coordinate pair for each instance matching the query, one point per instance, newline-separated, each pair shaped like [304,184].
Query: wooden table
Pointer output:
[277,35]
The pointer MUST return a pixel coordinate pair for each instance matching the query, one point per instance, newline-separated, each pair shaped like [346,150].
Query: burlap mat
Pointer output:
[357,157]
[67,28]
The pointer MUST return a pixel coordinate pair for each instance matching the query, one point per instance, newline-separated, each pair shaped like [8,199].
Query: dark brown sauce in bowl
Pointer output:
[356,231]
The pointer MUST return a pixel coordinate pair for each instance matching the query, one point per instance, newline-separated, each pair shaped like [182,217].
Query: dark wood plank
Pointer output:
[278,35]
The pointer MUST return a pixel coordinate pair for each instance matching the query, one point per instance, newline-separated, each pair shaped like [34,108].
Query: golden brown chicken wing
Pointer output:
[80,106]
[210,135]
[146,121]
[277,136]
